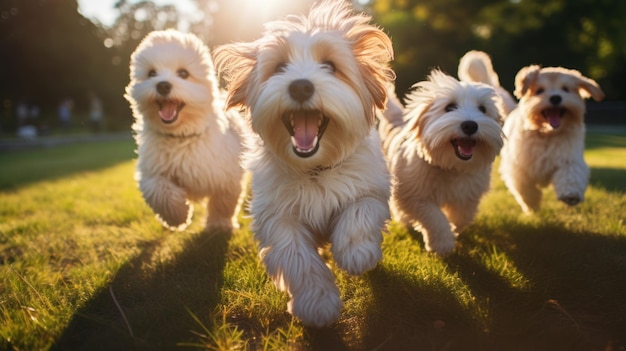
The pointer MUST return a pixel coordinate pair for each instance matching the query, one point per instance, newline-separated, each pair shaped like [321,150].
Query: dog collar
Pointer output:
[181,136]
[317,170]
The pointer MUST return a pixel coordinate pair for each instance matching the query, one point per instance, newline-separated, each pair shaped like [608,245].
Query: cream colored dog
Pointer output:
[546,136]
[188,148]
[440,155]
[312,85]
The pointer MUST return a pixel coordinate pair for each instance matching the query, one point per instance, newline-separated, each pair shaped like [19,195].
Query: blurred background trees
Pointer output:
[49,51]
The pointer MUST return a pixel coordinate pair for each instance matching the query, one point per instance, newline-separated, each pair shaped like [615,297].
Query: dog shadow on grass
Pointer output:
[548,288]
[525,288]
[156,304]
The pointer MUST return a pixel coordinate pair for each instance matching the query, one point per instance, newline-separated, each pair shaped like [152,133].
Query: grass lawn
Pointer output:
[85,266]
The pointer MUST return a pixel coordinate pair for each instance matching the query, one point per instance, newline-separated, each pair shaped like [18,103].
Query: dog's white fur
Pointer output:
[335,64]
[476,66]
[190,153]
[440,165]
[546,136]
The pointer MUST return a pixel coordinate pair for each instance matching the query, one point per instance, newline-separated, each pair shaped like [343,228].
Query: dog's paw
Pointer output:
[358,258]
[319,307]
[571,199]
[176,217]
[222,225]
[441,246]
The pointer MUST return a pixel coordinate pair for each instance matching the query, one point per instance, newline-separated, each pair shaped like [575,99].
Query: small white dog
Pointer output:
[546,136]
[440,155]
[312,85]
[188,148]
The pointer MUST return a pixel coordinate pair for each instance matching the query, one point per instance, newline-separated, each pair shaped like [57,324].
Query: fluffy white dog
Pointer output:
[440,155]
[188,148]
[546,135]
[312,85]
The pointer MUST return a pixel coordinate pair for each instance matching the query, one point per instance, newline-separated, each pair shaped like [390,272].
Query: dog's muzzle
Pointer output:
[464,146]
[553,115]
[306,128]
[168,108]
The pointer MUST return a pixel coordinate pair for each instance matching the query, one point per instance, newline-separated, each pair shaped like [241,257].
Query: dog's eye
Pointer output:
[151,73]
[565,89]
[328,65]
[539,91]
[281,67]
[482,109]
[183,73]
[451,107]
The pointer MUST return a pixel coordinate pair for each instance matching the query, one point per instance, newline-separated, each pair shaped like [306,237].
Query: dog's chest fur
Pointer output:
[540,154]
[314,198]
[438,185]
[196,163]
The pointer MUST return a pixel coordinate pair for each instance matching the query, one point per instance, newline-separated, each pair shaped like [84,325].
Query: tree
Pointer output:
[585,34]
[48,52]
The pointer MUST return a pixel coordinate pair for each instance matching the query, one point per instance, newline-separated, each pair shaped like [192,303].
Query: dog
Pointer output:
[476,66]
[188,147]
[311,85]
[440,154]
[546,136]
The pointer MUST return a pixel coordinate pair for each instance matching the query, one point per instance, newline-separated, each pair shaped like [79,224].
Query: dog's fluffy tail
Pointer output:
[476,67]
[391,119]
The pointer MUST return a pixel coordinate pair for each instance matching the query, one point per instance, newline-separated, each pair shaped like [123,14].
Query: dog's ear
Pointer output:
[373,50]
[525,79]
[588,87]
[415,119]
[235,62]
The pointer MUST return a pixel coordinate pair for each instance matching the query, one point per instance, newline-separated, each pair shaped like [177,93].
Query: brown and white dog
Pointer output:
[546,136]
[312,85]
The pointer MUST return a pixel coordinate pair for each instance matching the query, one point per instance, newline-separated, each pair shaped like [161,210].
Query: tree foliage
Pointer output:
[49,51]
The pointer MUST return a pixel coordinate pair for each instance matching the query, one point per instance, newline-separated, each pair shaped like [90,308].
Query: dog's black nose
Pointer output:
[164,88]
[469,127]
[301,90]
[555,99]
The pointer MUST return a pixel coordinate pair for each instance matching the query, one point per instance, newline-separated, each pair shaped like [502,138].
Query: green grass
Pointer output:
[85,266]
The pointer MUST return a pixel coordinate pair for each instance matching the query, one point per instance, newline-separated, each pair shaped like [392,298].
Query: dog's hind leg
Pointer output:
[527,194]
[461,214]
[290,255]
[223,207]
[357,235]
[168,201]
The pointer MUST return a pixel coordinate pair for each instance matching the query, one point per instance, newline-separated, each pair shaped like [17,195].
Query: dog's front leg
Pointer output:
[433,223]
[357,235]
[570,181]
[167,200]
[290,255]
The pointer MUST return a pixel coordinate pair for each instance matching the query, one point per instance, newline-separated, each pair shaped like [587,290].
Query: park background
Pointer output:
[51,52]
[84,265]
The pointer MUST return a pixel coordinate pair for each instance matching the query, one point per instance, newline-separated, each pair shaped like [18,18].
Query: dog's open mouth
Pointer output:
[553,115]
[464,148]
[169,110]
[306,128]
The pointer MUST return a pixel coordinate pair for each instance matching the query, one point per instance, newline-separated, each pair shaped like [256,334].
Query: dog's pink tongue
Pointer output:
[554,117]
[466,147]
[168,110]
[305,129]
